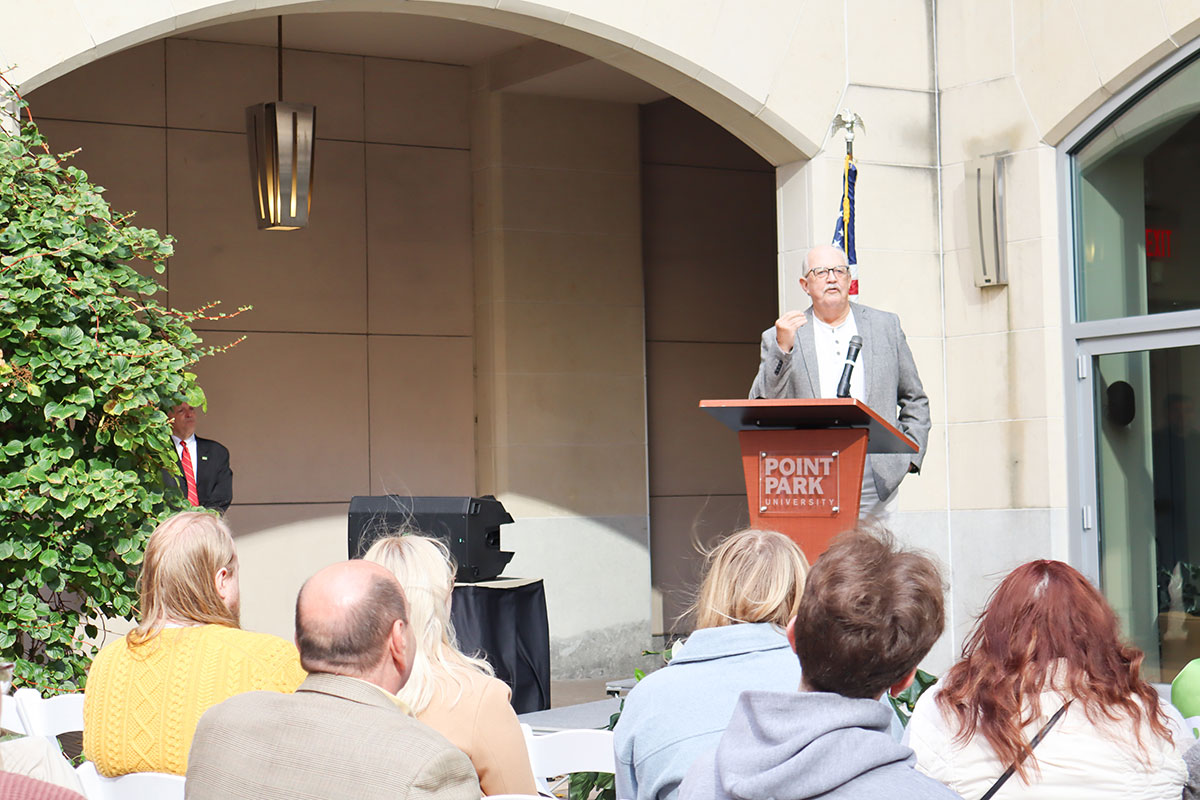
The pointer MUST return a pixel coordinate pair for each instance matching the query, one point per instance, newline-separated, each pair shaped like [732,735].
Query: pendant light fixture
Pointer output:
[281,137]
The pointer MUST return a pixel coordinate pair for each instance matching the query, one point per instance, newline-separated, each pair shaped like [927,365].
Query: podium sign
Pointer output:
[803,462]
[798,483]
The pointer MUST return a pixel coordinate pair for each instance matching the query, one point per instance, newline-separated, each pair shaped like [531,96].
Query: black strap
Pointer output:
[1008,773]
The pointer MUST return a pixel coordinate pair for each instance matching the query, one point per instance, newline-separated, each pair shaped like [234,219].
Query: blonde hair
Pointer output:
[426,572]
[751,576]
[183,557]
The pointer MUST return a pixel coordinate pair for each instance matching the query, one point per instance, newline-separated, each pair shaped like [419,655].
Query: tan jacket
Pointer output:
[336,738]
[483,725]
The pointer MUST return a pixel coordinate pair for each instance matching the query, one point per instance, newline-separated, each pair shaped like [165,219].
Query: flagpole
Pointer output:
[849,123]
[843,233]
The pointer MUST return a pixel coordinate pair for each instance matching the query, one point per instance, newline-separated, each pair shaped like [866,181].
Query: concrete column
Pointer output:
[560,362]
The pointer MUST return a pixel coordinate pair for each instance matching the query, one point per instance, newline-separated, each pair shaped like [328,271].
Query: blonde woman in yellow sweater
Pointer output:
[456,695]
[147,690]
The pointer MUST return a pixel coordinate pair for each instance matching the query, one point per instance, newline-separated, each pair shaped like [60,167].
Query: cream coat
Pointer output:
[1079,759]
[483,725]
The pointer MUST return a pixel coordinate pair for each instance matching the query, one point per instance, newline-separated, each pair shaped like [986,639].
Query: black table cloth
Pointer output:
[505,621]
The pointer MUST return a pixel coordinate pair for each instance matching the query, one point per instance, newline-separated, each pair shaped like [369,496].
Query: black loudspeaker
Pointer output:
[1122,404]
[469,526]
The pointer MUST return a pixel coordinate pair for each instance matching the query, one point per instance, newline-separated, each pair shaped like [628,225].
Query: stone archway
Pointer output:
[696,59]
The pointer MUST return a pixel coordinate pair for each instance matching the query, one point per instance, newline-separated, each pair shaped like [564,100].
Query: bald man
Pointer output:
[343,735]
[803,355]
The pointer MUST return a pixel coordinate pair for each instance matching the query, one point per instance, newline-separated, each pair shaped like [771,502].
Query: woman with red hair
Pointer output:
[1046,668]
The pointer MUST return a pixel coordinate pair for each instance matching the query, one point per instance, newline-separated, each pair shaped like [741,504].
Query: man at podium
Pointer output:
[801,360]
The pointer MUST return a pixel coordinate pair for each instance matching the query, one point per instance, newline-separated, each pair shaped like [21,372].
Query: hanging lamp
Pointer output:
[281,137]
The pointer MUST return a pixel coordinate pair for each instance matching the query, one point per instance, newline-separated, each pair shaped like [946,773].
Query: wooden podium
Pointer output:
[803,461]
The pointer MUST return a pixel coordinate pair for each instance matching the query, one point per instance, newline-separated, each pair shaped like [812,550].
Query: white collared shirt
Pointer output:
[190,443]
[832,344]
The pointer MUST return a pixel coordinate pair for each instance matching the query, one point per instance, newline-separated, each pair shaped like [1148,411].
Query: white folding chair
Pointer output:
[570,751]
[10,719]
[49,716]
[134,786]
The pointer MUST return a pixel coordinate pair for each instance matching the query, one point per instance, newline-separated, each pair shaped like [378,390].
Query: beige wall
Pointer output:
[560,361]
[356,374]
[709,246]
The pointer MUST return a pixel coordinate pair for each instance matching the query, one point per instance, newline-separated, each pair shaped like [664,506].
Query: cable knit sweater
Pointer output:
[142,703]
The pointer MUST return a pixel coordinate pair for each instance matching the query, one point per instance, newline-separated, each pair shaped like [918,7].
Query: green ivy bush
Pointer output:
[89,362]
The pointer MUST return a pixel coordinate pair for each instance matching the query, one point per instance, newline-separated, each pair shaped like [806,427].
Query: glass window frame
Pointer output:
[1083,341]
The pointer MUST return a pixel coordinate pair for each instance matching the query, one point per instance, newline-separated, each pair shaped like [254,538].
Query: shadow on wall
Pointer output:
[596,571]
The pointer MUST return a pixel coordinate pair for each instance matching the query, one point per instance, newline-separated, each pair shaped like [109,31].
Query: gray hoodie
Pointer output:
[793,745]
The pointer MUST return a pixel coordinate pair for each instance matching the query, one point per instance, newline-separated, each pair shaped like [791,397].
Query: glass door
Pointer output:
[1145,415]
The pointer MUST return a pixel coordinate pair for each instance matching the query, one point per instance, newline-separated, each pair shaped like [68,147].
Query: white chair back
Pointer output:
[10,719]
[134,786]
[49,716]
[571,751]
[1193,726]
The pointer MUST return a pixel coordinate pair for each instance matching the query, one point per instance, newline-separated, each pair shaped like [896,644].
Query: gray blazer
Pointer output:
[336,738]
[894,389]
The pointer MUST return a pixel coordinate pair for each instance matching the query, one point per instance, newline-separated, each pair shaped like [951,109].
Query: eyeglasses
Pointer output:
[821,272]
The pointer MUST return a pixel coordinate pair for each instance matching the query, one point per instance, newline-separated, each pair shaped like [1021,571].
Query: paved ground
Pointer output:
[569,693]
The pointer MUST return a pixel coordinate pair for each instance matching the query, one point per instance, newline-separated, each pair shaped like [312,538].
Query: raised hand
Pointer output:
[786,327]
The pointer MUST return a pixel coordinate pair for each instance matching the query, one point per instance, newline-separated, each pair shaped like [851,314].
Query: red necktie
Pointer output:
[189,474]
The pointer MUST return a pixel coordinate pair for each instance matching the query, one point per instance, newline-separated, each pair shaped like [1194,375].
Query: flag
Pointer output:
[843,232]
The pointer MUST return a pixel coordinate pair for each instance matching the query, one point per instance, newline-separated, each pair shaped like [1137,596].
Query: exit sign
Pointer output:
[1158,242]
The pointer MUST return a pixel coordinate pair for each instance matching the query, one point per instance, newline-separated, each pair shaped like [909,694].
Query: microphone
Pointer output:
[843,389]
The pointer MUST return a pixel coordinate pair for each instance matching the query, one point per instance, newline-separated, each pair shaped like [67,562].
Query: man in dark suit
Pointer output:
[204,473]
[343,735]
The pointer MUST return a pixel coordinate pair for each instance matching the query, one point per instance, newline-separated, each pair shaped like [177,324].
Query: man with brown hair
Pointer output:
[870,612]
[343,735]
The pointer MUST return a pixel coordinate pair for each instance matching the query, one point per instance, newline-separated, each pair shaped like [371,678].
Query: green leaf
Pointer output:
[32,503]
[195,396]
[48,558]
[53,411]
[84,396]
[69,337]
[51,579]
